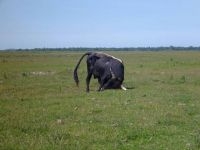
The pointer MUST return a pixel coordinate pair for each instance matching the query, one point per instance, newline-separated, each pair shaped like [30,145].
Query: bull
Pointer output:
[108,69]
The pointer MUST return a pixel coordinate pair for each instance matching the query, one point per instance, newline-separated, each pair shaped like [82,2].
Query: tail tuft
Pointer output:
[76,77]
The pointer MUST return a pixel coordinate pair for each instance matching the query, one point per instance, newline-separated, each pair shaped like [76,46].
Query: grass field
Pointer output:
[41,108]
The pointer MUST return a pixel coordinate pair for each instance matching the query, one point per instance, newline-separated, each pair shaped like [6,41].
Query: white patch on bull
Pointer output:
[123,88]
[112,57]
[112,73]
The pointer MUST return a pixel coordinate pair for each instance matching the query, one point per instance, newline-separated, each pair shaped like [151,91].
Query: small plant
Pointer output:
[171,77]
[5,76]
[197,139]
[183,79]
[24,74]
[4,61]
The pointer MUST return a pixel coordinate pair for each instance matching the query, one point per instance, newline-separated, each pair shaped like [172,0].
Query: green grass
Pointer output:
[41,108]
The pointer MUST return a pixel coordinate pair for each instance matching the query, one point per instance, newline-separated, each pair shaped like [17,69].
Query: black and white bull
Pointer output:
[107,69]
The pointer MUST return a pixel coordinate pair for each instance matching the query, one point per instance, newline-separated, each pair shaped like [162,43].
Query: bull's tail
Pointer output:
[76,68]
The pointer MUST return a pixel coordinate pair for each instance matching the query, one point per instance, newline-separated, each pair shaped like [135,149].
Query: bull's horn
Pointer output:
[123,88]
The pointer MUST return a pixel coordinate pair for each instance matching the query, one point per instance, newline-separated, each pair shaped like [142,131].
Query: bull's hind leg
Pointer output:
[88,82]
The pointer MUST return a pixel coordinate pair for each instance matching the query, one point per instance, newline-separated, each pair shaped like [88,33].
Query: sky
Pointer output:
[98,23]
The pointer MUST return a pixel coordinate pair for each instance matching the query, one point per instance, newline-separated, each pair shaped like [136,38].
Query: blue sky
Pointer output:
[99,23]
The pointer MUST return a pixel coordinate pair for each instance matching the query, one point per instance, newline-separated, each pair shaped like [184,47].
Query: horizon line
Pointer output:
[140,47]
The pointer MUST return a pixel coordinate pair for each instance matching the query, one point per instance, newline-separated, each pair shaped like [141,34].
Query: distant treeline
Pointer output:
[170,48]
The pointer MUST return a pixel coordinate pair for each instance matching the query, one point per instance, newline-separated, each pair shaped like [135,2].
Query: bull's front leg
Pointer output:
[102,82]
[100,88]
[107,84]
